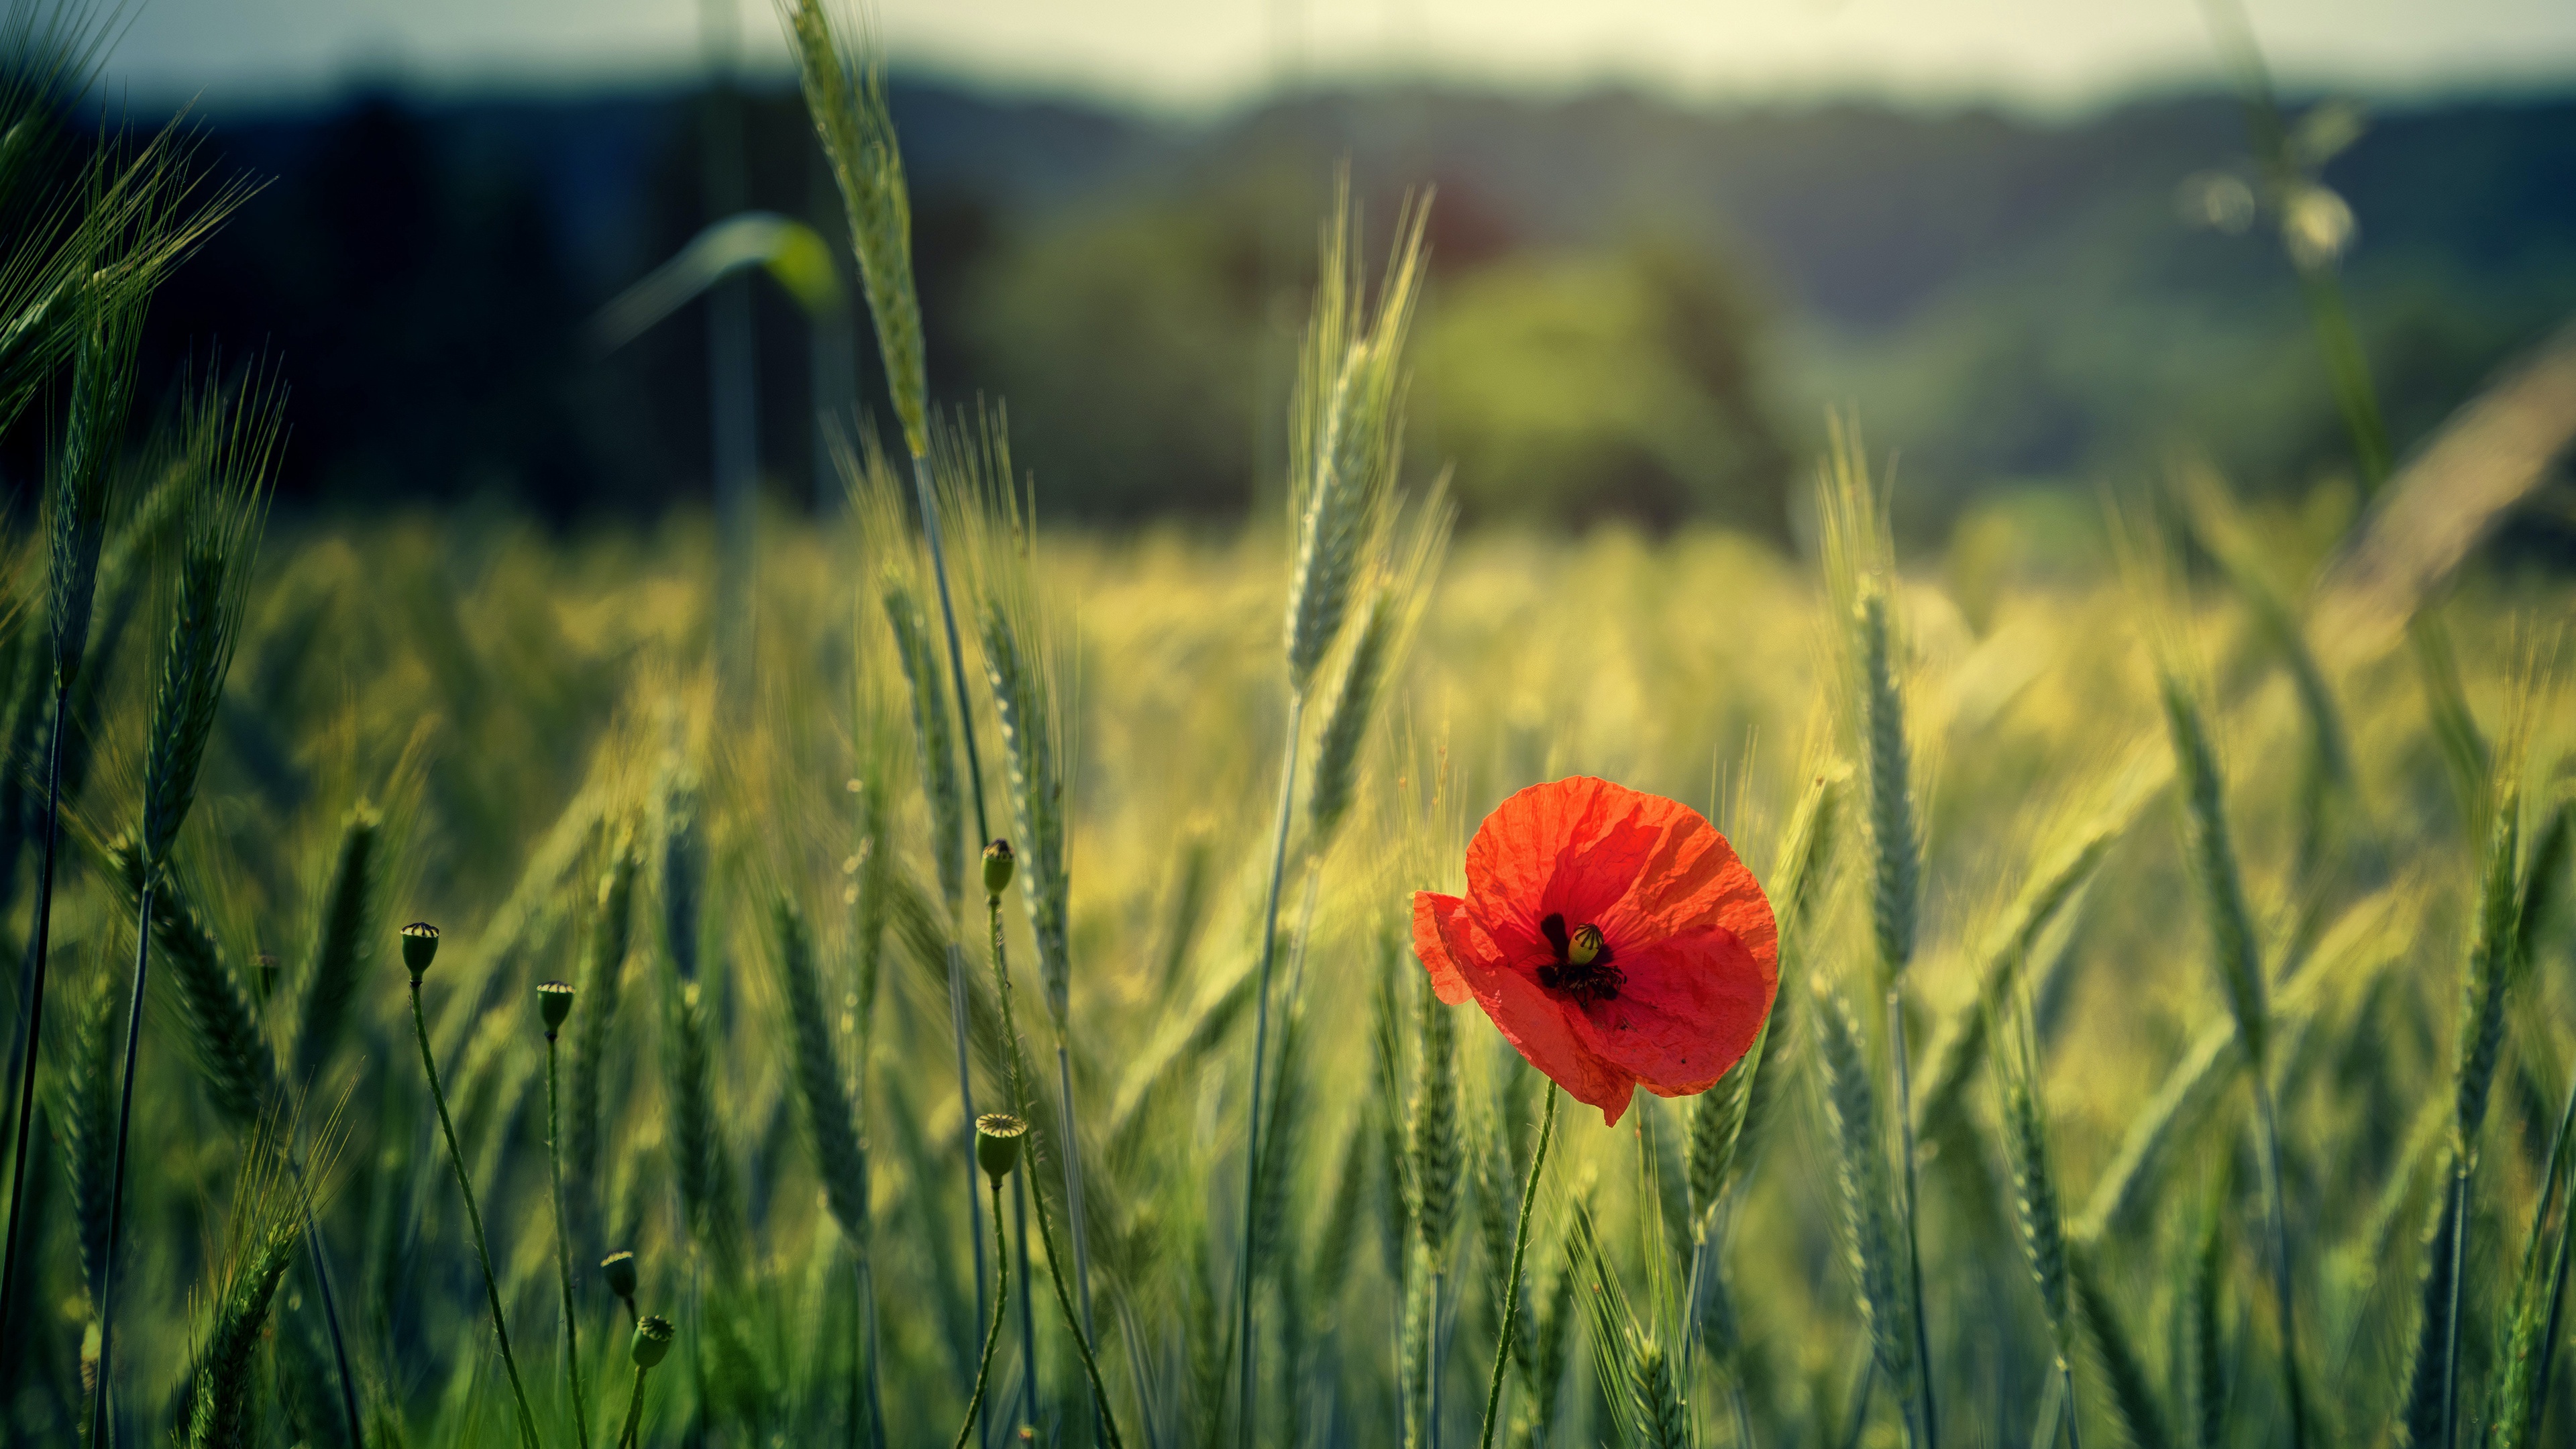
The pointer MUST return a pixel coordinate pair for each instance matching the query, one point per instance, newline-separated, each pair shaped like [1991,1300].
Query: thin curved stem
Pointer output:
[1020,1189]
[966,1106]
[99,1434]
[31,1021]
[1931,1430]
[993,1335]
[634,1411]
[473,1215]
[2267,1120]
[1078,1322]
[563,1249]
[2451,1312]
[339,1343]
[923,489]
[1512,1281]
[1260,1054]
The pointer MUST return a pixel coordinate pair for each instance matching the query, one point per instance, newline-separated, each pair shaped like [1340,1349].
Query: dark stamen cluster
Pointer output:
[1582,967]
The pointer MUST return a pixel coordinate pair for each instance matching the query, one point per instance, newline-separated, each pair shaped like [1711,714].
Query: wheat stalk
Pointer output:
[76,529]
[232,447]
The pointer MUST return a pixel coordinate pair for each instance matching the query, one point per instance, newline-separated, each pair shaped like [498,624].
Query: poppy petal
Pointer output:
[1430,942]
[1455,948]
[1688,1009]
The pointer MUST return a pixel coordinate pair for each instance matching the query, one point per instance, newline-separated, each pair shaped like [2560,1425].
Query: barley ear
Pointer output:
[603,974]
[1868,1199]
[840,1158]
[1387,622]
[232,447]
[845,93]
[102,394]
[83,1114]
[1346,430]
[272,1202]
[344,944]
[2035,1196]
[1435,1150]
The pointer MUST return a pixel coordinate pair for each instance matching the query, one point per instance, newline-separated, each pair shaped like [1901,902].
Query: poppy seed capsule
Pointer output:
[420,947]
[653,1339]
[1585,946]
[998,865]
[619,1269]
[554,1003]
[997,1143]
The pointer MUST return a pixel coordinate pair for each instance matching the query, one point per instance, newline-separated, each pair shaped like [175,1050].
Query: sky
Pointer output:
[1200,55]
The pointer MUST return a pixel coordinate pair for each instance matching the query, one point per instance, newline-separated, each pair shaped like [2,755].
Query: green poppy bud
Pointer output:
[619,1269]
[997,1143]
[554,1003]
[420,947]
[998,864]
[653,1339]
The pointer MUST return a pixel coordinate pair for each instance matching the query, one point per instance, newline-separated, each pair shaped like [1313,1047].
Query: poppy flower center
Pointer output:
[1582,968]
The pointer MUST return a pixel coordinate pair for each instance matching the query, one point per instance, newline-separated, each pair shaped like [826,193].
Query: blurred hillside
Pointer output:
[1638,308]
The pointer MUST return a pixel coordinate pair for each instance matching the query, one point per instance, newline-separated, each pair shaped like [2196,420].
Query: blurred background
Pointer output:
[2030,246]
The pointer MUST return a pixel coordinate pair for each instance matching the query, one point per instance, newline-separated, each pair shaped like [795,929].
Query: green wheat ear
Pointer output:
[839,1156]
[272,1202]
[232,445]
[845,92]
[1346,430]
[1851,1109]
[344,946]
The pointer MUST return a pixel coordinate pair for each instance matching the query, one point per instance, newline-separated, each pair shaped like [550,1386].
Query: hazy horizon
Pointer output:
[1177,57]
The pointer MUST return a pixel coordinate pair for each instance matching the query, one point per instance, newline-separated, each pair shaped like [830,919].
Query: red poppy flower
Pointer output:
[1614,938]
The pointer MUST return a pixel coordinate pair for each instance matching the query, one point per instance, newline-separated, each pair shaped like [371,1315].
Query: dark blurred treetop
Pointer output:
[1638,308]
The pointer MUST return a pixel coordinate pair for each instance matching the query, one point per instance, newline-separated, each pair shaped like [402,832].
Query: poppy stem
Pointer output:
[563,1247]
[1512,1282]
[473,1218]
[1020,1194]
[1103,1422]
[993,1335]
[1260,1053]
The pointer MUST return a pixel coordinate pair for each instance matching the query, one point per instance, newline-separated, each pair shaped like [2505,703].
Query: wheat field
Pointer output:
[2171,1044]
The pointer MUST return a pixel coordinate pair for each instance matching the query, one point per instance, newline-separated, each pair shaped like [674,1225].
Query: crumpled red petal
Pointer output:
[1693,933]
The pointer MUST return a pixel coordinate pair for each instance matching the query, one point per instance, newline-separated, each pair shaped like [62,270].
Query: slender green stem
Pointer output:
[99,1416]
[634,1411]
[1104,1420]
[966,1109]
[1512,1281]
[2268,1123]
[2451,1312]
[331,1321]
[1260,1052]
[993,1335]
[928,496]
[2044,1426]
[1931,1430]
[1073,1207]
[2558,1280]
[1020,1191]
[474,1217]
[563,1248]
[865,1273]
[1108,1421]
[1028,1307]
[1431,1354]
[31,1020]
